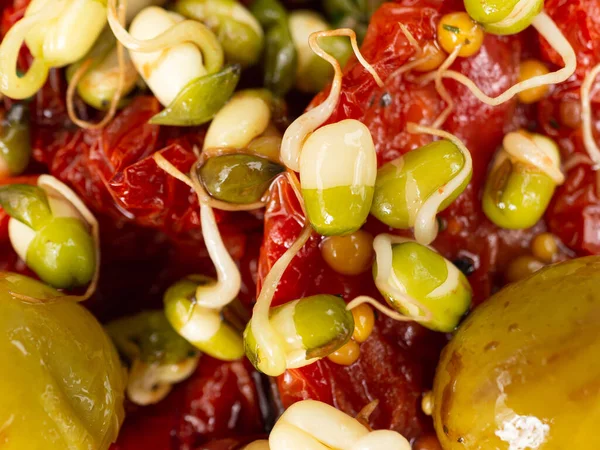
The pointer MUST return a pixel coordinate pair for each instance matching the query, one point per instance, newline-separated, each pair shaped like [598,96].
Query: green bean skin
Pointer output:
[238,179]
[201,99]
[56,361]
[338,210]
[404,184]
[237,30]
[516,195]
[150,337]
[421,271]
[495,15]
[321,322]
[26,203]
[62,253]
[15,143]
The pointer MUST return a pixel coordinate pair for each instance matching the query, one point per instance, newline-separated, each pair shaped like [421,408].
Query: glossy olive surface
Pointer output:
[62,383]
[523,371]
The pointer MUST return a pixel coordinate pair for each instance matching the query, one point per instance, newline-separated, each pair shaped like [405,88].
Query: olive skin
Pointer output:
[522,371]
[62,384]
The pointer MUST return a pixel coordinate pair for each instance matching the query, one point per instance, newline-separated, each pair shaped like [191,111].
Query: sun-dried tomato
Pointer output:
[574,214]
[221,400]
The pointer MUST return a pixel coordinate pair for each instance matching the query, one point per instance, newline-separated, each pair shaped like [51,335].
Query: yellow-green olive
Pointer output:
[522,370]
[62,383]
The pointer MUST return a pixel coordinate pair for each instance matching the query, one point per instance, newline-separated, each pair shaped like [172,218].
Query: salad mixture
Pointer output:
[299,225]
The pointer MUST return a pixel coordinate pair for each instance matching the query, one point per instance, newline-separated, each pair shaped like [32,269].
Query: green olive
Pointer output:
[240,178]
[100,82]
[517,194]
[522,370]
[238,31]
[15,145]
[504,16]
[62,253]
[433,281]
[200,100]
[280,56]
[62,383]
[312,327]
[204,328]
[149,336]
[404,184]
[313,72]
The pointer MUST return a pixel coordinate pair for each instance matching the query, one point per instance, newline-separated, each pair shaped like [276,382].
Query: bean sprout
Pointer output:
[426,227]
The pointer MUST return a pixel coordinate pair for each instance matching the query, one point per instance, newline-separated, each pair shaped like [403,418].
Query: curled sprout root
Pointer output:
[521,148]
[441,89]
[150,383]
[549,31]
[80,73]
[267,338]
[586,117]
[315,425]
[11,84]
[361,299]
[227,287]
[57,189]
[185,31]
[426,227]
[410,65]
[297,133]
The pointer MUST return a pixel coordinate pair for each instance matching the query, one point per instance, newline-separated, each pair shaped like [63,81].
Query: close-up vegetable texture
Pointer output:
[299,224]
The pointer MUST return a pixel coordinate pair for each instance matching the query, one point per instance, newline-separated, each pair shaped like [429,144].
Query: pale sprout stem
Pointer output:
[441,89]
[297,133]
[381,308]
[426,227]
[521,148]
[267,339]
[228,275]
[549,31]
[11,84]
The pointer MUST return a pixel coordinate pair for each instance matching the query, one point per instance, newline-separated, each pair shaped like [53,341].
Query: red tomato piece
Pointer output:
[219,402]
[574,214]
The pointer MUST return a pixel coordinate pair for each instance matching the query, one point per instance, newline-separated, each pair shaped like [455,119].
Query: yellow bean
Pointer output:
[528,69]
[544,247]
[457,29]
[346,355]
[521,267]
[364,321]
[349,255]
[435,55]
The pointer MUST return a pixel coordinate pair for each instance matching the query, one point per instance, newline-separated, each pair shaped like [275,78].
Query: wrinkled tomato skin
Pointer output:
[219,401]
[574,213]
